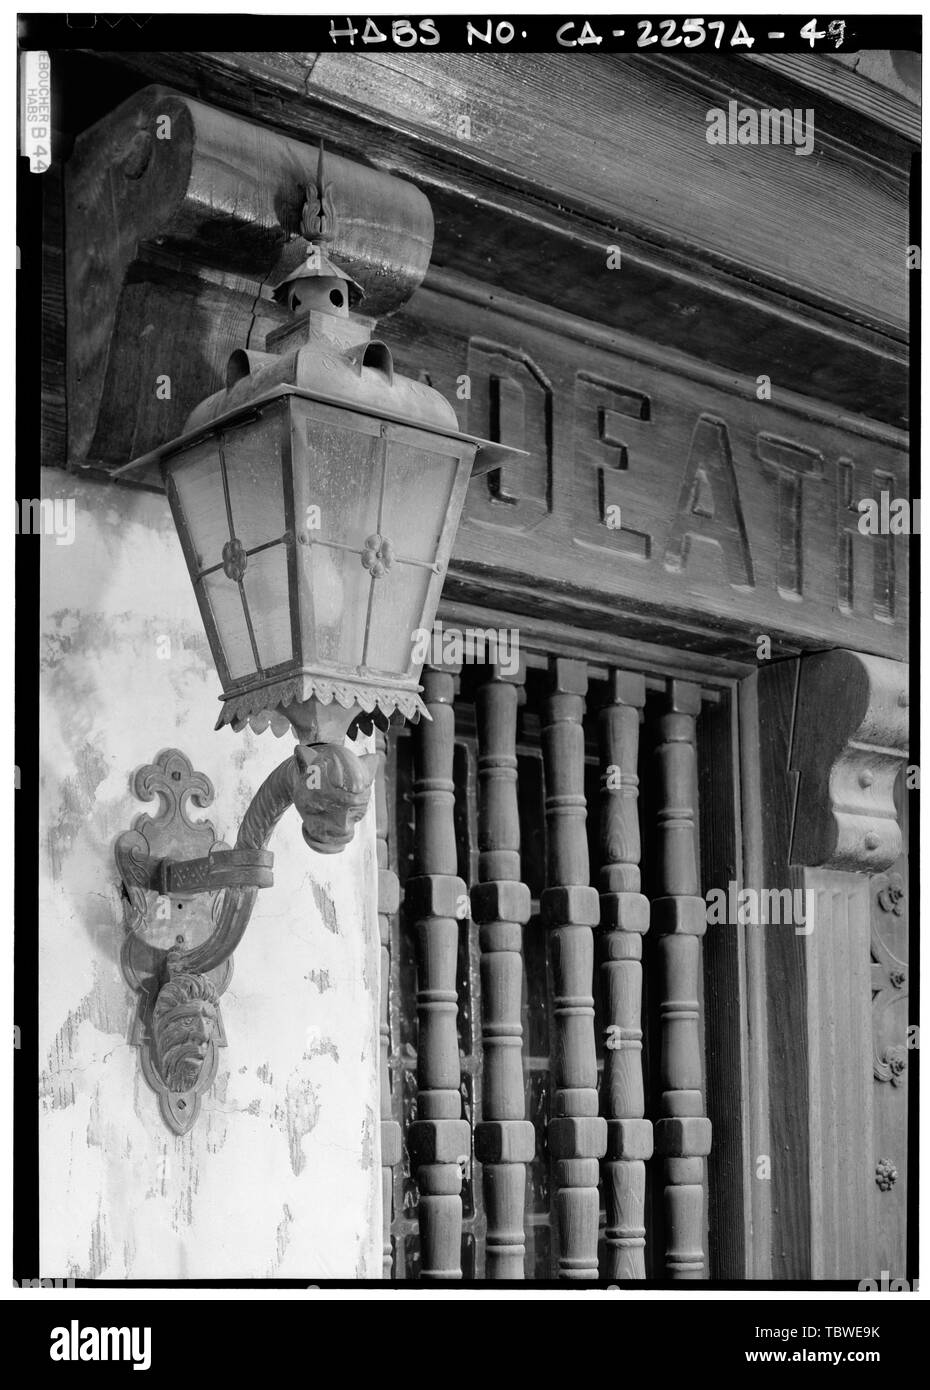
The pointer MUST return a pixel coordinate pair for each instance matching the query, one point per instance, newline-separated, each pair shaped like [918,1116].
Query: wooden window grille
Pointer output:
[549,1027]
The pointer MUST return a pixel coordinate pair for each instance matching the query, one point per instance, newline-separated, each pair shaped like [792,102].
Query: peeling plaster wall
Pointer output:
[280,1175]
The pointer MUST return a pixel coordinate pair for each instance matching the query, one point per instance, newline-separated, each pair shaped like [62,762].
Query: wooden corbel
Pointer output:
[181,218]
[850,742]
[848,749]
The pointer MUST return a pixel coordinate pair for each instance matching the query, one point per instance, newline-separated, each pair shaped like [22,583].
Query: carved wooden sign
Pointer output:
[656,484]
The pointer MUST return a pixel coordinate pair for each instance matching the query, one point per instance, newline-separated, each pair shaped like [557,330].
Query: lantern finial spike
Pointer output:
[318,216]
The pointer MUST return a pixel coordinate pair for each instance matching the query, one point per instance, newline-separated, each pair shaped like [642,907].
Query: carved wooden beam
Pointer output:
[177,215]
[403,112]
[850,742]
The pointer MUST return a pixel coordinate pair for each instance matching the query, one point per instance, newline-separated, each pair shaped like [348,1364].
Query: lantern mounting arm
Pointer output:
[240,871]
[305,780]
[266,808]
[162,865]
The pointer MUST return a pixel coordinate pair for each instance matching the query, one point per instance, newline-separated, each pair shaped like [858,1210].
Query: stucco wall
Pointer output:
[280,1175]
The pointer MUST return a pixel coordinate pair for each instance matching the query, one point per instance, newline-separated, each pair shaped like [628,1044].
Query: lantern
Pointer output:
[317,499]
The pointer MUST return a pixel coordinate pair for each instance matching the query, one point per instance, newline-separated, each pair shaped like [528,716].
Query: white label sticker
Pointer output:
[36,109]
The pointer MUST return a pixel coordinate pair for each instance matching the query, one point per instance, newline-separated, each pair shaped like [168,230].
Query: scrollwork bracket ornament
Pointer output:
[850,743]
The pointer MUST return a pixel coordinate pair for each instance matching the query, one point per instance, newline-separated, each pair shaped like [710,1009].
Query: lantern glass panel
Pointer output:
[337,471]
[198,482]
[252,454]
[336,592]
[265,584]
[417,493]
[342,471]
[225,602]
[396,611]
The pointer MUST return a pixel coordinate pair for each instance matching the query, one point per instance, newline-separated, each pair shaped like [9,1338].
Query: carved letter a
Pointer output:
[709,507]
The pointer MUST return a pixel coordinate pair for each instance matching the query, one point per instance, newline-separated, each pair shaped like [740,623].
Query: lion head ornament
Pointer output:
[184,1023]
[332,789]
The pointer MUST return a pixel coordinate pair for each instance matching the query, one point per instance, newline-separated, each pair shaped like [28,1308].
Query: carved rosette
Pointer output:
[889,978]
[886,1175]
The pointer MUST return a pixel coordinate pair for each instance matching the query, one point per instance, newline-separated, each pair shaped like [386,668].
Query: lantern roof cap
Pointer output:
[316,266]
[146,468]
[360,378]
[357,374]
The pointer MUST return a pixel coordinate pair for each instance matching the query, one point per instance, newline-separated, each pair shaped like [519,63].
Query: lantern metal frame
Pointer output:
[301,677]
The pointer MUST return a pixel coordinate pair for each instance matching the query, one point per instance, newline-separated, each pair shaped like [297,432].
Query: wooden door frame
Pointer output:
[824,739]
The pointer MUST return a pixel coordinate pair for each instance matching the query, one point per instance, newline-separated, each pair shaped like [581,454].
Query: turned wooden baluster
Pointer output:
[570,909]
[683,1134]
[505,1141]
[439,1140]
[388,903]
[624,918]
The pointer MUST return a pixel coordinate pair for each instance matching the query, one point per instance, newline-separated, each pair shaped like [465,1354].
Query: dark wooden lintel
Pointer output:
[738,301]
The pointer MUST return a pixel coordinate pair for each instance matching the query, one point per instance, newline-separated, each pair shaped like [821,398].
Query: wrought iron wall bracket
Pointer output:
[188,898]
[221,868]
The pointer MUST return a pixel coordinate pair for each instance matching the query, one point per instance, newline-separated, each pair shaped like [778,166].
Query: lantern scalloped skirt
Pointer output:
[268,707]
